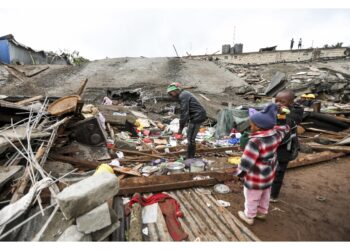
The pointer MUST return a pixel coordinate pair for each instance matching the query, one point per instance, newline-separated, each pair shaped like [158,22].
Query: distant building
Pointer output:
[12,52]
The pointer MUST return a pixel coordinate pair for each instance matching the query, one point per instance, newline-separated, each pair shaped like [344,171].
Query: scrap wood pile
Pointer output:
[70,171]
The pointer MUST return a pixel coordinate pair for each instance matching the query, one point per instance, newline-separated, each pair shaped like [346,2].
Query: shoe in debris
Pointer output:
[272,200]
[249,221]
[261,216]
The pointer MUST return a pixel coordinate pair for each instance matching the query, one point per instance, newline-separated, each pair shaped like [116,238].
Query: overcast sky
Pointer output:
[101,33]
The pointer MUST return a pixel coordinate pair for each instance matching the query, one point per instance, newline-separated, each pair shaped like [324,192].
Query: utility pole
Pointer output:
[234,34]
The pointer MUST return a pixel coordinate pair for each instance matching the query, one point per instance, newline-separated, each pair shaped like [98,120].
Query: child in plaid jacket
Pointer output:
[259,161]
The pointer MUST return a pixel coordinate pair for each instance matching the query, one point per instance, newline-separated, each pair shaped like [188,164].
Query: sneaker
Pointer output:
[261,216]
[249,221]
[272,200]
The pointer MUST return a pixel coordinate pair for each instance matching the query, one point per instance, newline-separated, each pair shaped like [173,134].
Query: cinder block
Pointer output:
[87,194]
[72,234]
[105,232]
[96,219]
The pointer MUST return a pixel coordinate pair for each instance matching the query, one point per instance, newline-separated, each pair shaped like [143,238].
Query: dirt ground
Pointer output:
[300,216]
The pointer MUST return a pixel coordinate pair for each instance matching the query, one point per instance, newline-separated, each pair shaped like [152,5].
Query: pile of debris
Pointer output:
[70,170]
[78,170]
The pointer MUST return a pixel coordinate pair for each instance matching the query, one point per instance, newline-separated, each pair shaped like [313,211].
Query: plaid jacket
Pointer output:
[259,159]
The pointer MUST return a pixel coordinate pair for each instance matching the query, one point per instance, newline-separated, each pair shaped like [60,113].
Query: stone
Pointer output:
[72,234]
[244,89]
[94,220]
[105,232]
[295,81]
[87,194]
[125,145]
[56,168]
[8,173]
[338,86]
[313,73]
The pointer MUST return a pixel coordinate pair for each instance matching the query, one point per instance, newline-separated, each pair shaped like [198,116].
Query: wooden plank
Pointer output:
[139,153]
[82,87]
[84,164]
[314,158]
[343,119]
[128,171]
[338,134]
[31,74]
[204,97]
[343,149]
[29,100]
[135,231]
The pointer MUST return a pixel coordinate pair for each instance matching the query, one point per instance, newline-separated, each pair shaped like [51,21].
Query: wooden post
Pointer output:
[135,231]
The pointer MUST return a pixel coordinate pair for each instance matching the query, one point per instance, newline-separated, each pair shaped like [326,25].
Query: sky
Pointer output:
[112,32]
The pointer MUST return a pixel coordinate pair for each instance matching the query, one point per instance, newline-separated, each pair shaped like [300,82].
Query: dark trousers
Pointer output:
[192,131]
[277,182]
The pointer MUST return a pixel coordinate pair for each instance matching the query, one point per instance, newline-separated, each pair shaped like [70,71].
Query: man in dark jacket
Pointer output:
[192,112]
[292,114]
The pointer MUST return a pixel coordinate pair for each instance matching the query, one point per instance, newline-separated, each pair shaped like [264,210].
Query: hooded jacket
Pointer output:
[191,110]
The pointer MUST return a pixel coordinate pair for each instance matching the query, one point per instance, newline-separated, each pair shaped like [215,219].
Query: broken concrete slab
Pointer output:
[105,232]
[98,218]
[276,84]
[55,228]
[340,76]
[244,89]
[72,234]
[7,173]
[87,194]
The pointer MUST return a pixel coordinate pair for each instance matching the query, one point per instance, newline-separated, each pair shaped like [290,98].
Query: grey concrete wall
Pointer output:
[279,56]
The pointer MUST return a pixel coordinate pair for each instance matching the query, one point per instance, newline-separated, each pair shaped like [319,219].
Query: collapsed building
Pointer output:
[88,154]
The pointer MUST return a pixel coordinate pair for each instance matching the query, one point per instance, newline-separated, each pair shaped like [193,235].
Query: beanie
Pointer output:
[265,119]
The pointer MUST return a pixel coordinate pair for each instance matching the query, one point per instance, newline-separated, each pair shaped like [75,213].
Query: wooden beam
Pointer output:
[82,87]
[314,158]
[135,231]
[170,182]
[342,149]
[338,134]
[343,119]
[85,164]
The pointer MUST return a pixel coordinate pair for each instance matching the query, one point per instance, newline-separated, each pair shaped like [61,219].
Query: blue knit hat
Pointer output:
[265,119]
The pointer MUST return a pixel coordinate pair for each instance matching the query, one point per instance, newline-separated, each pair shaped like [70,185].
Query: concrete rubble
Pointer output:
[113,137]
[94,220]
[87,194]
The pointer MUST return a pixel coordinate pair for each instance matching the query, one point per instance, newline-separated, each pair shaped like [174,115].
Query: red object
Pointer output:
[146,132]
[170,209]
[178,136]
[147,140]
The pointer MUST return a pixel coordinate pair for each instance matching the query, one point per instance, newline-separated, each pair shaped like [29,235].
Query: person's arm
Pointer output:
[282,131]
[248,159]
[185,111]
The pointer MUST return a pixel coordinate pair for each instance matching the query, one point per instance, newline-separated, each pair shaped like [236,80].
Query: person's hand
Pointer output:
[178,136]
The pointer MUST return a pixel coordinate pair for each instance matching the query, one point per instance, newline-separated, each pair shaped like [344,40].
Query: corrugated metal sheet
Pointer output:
[203,220]
[25,56]
[4,51]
